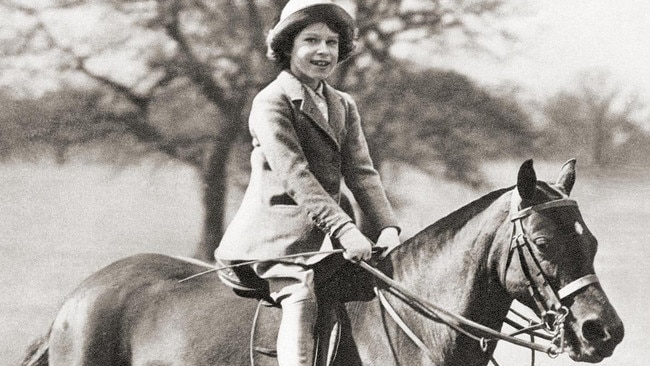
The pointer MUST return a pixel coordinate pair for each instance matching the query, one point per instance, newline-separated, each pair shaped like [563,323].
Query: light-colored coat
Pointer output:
[297,163]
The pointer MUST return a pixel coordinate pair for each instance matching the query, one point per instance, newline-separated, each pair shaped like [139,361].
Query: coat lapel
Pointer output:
[296,92]
[336,110]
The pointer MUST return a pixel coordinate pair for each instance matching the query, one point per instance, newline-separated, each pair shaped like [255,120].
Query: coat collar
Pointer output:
[336,109]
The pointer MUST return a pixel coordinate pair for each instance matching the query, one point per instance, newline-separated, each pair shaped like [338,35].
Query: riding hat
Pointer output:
[298,14]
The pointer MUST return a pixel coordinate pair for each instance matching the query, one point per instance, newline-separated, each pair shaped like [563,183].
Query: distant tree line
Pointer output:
[597,122]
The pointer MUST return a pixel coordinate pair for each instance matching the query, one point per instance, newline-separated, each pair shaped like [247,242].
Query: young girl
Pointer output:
[306,137]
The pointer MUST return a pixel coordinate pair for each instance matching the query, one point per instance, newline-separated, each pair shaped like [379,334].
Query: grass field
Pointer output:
[61,223]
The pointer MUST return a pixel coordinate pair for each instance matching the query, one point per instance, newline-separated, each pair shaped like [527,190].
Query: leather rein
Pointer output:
[547,299]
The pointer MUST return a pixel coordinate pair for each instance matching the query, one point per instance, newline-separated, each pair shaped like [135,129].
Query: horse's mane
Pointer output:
[457,219]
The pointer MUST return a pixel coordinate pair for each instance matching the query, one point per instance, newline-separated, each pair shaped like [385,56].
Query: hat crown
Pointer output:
[294,6]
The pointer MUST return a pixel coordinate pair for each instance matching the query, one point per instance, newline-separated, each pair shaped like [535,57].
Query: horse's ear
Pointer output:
[527,180]
[567,176]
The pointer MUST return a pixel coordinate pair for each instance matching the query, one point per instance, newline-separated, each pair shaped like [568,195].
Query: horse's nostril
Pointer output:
[593,331]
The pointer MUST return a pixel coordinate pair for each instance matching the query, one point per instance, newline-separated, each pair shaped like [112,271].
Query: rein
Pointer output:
[461,324]
[213,268]
[548,300]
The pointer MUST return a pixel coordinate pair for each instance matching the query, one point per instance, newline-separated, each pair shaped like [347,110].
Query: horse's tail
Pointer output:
[37,352]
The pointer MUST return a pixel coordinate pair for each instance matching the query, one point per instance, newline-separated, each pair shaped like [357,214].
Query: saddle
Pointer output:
[351,283]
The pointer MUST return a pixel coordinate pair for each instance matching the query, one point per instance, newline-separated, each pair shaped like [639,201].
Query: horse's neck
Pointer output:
[458,271]
[453,263]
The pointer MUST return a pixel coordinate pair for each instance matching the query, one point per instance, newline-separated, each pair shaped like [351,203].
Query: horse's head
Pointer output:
[550,266]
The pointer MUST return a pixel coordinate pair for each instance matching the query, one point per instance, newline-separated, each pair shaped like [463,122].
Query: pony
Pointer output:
[527,243]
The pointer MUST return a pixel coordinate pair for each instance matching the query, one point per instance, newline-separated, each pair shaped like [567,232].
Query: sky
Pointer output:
[559,39]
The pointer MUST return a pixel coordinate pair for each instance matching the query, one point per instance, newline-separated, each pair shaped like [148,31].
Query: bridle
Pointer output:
[548,300]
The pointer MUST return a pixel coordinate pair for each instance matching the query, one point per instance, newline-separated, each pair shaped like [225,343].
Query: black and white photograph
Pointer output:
[324,182]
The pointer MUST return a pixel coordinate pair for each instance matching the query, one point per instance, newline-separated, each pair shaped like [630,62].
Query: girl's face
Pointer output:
[315,53]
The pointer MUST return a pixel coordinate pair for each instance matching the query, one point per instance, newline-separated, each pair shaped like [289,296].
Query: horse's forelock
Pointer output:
[548,192]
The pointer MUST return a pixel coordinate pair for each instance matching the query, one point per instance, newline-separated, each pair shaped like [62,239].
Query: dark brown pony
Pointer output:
[135,311]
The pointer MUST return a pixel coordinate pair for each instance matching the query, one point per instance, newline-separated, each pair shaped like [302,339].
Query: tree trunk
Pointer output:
[214,199]
[215,174]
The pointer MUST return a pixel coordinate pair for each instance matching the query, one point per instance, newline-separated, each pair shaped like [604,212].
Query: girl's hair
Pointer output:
[280,41]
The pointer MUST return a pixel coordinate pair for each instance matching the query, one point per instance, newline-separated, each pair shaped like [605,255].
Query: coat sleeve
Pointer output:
[360,175]
[272,129]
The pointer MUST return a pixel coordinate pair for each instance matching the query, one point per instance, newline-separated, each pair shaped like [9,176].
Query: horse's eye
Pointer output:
[541,242]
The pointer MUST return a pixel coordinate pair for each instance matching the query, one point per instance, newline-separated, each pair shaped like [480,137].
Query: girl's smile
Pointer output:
[314,54]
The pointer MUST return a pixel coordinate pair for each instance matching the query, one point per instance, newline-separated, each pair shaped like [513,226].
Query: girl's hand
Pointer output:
[357,246]
[388,239]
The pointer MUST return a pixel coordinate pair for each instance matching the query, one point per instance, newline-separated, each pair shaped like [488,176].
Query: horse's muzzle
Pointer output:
[597,340]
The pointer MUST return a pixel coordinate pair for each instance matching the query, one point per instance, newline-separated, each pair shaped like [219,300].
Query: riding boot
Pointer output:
[296,341]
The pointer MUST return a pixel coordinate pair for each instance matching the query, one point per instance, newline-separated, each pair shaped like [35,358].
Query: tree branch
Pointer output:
[197,71]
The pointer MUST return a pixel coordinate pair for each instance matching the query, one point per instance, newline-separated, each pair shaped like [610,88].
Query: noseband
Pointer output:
[547,299]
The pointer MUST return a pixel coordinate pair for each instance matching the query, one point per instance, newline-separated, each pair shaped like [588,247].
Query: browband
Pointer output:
[563,202]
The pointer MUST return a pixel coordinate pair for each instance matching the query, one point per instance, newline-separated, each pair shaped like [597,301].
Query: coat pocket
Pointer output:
[282,201]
